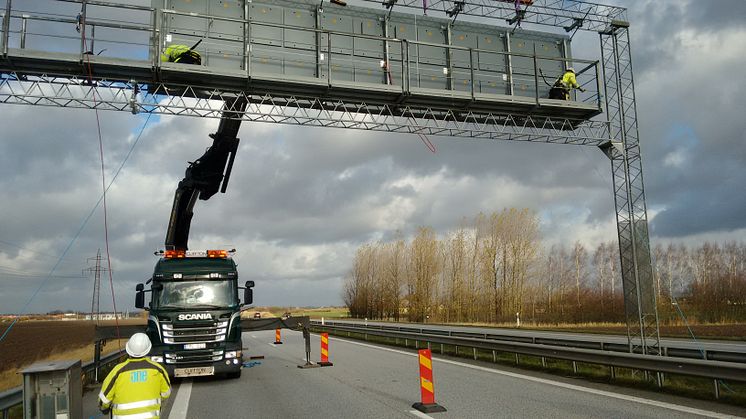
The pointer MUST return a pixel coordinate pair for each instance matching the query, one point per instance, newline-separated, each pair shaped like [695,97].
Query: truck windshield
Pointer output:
[191,294]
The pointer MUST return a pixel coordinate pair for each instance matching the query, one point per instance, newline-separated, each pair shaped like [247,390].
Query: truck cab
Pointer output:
[194,320]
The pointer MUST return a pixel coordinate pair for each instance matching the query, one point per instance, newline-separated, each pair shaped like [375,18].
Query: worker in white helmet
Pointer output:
[135,387]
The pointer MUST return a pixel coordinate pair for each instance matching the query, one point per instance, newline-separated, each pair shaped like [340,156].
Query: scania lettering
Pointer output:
[204,316]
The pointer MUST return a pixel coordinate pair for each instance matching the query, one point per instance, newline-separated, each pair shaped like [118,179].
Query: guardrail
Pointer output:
[14,397]
[603,353]
[666,350]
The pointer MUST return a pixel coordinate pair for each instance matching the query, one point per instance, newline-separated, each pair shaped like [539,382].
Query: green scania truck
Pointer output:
[194,319]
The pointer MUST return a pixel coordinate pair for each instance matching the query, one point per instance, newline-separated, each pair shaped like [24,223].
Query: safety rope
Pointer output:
[699,345]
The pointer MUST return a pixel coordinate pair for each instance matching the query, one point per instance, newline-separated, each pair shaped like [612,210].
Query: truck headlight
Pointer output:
[156,358]
[232,354]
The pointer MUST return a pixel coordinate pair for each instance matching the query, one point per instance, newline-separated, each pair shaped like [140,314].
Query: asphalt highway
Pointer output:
[369,381]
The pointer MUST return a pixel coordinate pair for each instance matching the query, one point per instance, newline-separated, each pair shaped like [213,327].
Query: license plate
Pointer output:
[194,371]
[195,346]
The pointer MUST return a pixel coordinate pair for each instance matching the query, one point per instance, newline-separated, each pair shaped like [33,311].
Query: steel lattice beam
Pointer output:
[76,93]
[629,194]
[557,13]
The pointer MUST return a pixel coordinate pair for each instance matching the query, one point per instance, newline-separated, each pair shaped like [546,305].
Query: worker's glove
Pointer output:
[105,409]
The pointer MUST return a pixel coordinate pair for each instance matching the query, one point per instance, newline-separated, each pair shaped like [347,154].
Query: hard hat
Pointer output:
[138,346]
[570,69]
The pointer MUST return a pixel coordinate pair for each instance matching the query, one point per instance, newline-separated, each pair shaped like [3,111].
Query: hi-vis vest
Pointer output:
[134,389]
[177,53]
[569,81]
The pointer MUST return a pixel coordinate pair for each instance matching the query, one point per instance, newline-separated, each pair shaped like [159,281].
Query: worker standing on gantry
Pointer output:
[564,85]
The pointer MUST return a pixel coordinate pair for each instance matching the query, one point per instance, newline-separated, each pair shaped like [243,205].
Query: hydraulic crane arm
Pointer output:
[204,177]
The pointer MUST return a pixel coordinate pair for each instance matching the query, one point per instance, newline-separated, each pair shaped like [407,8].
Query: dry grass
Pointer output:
[249,314]
[10,378]
[40,340]
[314,313]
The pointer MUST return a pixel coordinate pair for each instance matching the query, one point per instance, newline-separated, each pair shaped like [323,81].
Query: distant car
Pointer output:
[257,315]
[286,315]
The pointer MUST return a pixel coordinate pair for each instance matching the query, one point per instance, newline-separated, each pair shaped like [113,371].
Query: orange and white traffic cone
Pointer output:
[427,390]
[325,351]
[278,341]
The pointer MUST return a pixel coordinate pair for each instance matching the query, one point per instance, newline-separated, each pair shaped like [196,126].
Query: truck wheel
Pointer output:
[234,375]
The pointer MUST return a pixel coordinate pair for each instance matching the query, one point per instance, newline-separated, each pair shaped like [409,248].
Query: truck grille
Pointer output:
[193,357]
[197,332]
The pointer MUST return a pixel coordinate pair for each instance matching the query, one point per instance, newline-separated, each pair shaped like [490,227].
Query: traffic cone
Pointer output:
[427,390]
[277,337]
[325,351]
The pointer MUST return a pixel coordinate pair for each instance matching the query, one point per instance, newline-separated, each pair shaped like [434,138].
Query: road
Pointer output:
[369,381]
[714,345]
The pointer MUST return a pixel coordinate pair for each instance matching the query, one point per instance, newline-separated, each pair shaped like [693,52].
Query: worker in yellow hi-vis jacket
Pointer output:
[569,82]
[135,387]
[177,53]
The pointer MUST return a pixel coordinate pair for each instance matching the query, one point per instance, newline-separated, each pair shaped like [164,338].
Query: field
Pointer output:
[314,313]
[33,341]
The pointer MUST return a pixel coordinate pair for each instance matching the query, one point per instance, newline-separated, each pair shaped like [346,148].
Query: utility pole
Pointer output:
[96,270]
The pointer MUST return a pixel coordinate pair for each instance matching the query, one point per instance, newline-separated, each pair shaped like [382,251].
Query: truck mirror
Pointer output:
[248,295]
[140,298]
[249,284]
[139,287]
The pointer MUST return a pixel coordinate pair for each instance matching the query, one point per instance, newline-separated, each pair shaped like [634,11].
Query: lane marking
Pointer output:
[420,414]
[253,336]
[181,401]
[625,397]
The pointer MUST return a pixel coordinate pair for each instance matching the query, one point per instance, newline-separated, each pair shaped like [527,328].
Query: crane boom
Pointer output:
[205,176]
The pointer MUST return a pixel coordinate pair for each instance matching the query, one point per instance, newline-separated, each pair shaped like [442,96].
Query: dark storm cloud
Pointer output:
[693,134]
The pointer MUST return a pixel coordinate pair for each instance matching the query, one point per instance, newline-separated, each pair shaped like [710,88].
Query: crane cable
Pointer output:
[103,181]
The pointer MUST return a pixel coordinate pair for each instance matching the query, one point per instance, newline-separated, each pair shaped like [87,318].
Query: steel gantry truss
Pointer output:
[312,111]
[629,193]
[617,134]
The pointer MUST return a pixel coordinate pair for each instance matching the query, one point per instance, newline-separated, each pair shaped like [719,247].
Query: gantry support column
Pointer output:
[629,194]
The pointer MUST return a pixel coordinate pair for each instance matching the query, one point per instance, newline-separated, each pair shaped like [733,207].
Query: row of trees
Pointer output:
[495,267]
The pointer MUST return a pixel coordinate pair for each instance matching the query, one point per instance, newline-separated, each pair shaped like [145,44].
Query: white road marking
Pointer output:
[664,405]
[420,414]
[271,344]
[253,336]
[181,401]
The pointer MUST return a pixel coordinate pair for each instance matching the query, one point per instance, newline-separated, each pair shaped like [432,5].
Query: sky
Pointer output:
[301,200]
